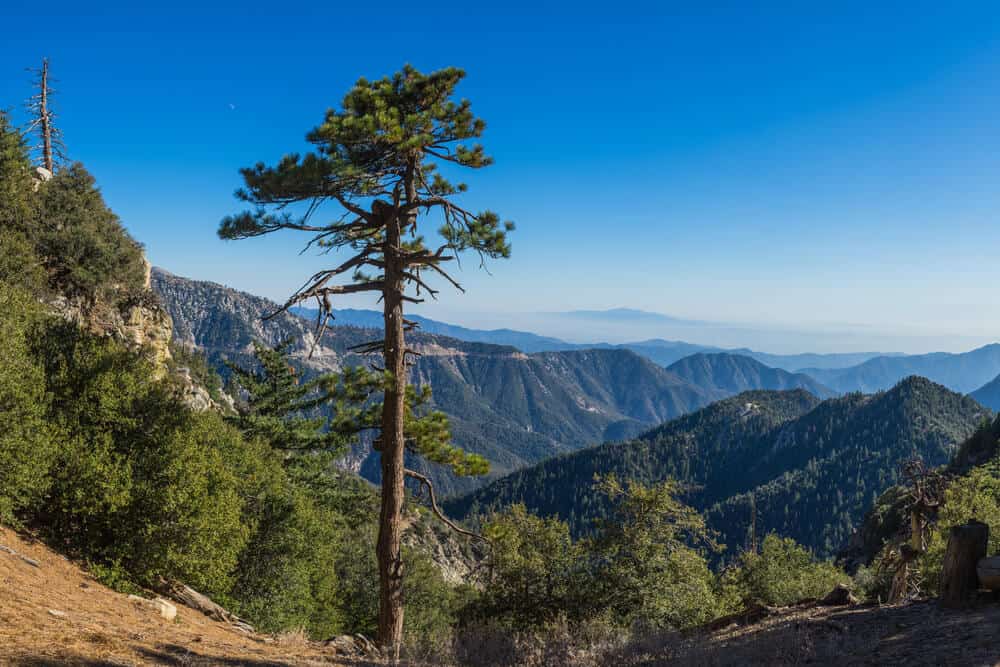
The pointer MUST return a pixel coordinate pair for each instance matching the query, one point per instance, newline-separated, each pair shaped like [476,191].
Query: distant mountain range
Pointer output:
[989,394]
[811,467]
[514,408]
[372,319]
[965,372]
[663,352]
[839,372]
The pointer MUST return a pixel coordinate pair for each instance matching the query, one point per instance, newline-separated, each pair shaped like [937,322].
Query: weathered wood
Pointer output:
[195,600]
[966,545]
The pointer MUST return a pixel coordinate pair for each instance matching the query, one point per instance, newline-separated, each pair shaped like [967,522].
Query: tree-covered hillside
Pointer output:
[733,373]
[812,467]
[825,470]
[709,448]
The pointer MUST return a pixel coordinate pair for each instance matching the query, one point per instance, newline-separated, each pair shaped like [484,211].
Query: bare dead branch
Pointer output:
[437,511]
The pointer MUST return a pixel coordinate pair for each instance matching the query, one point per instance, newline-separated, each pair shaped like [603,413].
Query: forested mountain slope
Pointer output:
[515,409]
[813,467]
[710,448]
[964,373]
[731,374]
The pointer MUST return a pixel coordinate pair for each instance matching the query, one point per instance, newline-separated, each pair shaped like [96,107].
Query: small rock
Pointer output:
[167,610]
[57,613]
[159,605]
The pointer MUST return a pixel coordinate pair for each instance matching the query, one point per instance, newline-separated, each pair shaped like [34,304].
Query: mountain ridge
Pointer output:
[963,372]
[812,467]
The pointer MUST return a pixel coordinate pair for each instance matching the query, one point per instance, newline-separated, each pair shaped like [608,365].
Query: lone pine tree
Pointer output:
[375,161]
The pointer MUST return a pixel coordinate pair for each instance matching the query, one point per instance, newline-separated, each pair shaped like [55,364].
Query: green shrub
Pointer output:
[15,177]
[783,573]
[973,496]
[539,573]
[86,251]
[139,480]
[27,448]
[20,266]
[285,577]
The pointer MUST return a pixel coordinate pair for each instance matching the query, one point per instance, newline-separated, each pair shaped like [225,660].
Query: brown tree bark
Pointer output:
[390,562]
[966,545]
[393,444]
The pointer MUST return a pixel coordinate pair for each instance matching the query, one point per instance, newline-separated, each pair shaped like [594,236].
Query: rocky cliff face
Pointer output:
[139,321]
[217,320]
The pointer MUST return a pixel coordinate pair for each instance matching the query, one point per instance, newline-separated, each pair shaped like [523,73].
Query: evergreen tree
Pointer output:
[275,404]
[376,160]
[15,176]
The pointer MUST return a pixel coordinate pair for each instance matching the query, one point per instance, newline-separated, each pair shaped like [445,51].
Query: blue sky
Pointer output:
[783,167]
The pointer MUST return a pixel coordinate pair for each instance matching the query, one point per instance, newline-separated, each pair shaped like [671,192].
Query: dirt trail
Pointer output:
[53,613]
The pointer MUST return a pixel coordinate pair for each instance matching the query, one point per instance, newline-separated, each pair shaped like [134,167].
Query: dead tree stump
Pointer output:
[966,545]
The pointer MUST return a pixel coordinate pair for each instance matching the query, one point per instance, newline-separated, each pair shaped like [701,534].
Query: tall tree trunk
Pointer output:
[390,563]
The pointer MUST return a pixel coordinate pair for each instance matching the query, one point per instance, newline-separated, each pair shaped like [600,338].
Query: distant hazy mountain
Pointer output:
[989,394]
[624,315]
[804,362]
[663,352]
[964,372]
[731,374]
[522,340]
[812,467]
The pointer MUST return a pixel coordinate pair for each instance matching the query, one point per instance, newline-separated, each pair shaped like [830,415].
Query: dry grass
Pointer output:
[101,627]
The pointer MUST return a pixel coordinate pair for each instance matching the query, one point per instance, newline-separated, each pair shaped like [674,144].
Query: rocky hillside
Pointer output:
[812,468]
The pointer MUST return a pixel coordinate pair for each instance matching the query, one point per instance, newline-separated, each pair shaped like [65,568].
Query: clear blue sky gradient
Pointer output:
[780,166]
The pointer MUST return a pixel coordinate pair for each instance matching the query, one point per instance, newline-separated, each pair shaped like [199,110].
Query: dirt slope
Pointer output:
[913,634]
[93,625]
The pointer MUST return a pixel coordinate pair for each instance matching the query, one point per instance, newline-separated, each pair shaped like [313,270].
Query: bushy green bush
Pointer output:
[86,251]
[640,569]
[15,177]
[27,448]
[972,496]
[539,572]
[139,480]
[20,266]
[648,570]
[782,573]
[285,577]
